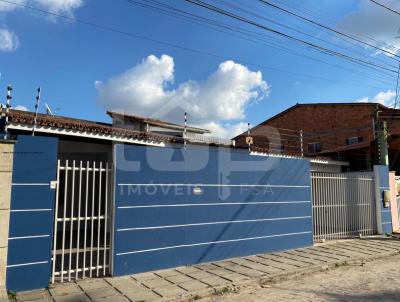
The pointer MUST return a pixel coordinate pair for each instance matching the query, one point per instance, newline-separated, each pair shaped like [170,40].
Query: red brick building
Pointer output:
[342,131]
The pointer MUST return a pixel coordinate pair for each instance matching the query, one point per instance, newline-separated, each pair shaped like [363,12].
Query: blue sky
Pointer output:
[67,58]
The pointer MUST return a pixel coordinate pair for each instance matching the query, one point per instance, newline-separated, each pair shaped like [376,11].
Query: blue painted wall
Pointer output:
[383,183]
[32,213]
[247,205]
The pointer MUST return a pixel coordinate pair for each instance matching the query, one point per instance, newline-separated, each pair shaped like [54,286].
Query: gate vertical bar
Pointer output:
[316,203]
[334,205]
[369,221]
[112,209]
[325,217]
[327,210]
[55,225]
[353,190]
[86,213]
[312,204]
[99,220]
[79,220]
[373,210]
[105,221]
[64,219]
[322,208]
[318,188]
[343,207]
[366,220]
[71,221]
[92,218]
[363,215]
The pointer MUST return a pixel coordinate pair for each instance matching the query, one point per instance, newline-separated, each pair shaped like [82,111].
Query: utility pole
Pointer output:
[382,145]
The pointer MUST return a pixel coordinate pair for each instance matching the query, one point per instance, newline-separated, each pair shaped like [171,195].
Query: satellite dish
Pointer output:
[48,110]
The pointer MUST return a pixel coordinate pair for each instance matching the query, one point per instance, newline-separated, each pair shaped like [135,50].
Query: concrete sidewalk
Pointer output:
[3,295]
[194,282]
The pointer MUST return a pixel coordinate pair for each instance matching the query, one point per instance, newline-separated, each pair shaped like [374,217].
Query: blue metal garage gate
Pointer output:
[176,207]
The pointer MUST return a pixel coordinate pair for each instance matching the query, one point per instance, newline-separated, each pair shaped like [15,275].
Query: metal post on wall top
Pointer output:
[185,131]
[39,90]
[8,106]
[248,137]
[301,143]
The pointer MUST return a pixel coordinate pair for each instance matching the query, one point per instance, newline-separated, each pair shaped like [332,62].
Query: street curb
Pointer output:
[235,286]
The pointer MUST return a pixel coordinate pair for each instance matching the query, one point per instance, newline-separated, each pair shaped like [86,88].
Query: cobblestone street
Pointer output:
[349,270]
[373,281]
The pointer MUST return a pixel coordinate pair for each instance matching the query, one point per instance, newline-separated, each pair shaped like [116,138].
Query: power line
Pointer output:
[398,74]
[174,9]
[353,43]
[386,7]
[329,28]
[309,11]
[110,29]
[309,35]
[287,36]
[234,31]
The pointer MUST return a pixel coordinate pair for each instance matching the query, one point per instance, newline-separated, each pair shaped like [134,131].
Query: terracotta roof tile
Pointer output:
[27,118]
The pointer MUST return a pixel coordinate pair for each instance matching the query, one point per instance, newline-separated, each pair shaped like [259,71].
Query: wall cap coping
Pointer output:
[7,141]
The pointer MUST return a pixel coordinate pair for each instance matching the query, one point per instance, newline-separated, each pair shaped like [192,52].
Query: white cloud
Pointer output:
[386,98]
[375,22]
[140,89]
[5,7]
[216,103]
[20,107]
[57,6]
[8,40]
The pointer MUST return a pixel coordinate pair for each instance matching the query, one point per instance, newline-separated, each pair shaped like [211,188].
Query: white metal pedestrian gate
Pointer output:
[81,246]
[343,205]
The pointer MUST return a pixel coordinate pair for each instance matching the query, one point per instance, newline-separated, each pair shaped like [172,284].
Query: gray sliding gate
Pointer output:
[343,205]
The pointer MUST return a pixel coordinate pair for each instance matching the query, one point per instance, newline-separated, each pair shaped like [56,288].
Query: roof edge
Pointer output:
[156,122]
